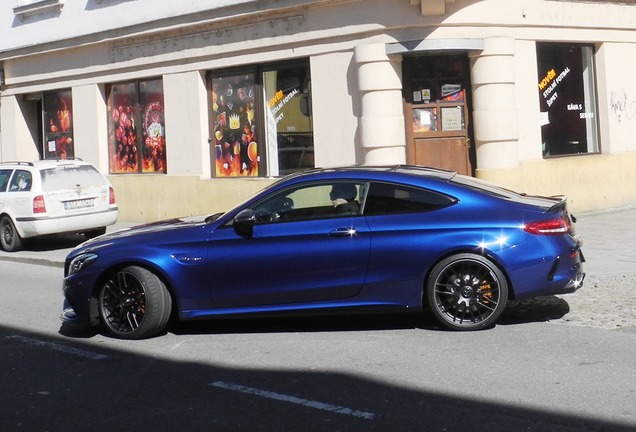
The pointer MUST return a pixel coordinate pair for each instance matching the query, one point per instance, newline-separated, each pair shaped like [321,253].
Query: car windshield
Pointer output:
[69,177]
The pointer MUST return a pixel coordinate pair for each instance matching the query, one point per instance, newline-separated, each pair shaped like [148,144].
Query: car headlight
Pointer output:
[81,262]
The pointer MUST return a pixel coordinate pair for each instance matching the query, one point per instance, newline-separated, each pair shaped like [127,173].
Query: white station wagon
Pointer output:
[53,197]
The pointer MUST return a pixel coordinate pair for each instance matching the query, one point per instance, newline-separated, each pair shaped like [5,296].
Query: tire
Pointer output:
[10,240]
[134,304]
[467,292]
[95,233]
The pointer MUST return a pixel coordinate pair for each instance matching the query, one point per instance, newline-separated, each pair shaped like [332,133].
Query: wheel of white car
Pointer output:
[10,240]
[134,303]
[467,292]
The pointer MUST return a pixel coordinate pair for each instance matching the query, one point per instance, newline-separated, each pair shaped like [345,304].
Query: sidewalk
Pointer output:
[609,239]
[52,250]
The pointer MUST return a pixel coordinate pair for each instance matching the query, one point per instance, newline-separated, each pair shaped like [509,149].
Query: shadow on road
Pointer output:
[53,242]
[541,309]
[59,384]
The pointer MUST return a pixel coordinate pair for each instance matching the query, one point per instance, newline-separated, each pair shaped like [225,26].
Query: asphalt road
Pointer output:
[530,372]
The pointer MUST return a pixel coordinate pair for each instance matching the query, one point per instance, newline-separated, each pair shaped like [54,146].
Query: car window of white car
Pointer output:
[5,174]
[21,181]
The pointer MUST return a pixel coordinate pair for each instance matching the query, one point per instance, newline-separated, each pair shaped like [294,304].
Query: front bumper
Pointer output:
[68,313]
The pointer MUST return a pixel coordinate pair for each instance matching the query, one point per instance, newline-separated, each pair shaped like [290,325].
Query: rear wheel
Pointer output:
[467,292]
[134,304]
[10,240]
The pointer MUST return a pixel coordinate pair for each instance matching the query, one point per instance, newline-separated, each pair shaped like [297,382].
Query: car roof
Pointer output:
[46,163]
[419,171]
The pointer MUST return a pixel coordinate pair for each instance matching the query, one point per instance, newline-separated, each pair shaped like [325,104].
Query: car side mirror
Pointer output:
[244,222]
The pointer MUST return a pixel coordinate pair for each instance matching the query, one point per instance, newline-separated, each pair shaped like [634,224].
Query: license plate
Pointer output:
[77,204]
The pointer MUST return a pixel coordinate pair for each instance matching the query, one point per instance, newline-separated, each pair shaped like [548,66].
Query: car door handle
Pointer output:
[343,232]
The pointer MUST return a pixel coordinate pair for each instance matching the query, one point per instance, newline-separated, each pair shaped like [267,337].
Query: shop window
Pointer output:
[261,121]
[58,125]
[237,146]
[567,97]
[136,127]
[289,121]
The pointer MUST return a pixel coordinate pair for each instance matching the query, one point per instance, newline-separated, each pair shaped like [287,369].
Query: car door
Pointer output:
[410,227]
[5,175]
[301,249]
[18,198]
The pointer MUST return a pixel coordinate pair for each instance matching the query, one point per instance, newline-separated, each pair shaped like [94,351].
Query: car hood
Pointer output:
[147,231]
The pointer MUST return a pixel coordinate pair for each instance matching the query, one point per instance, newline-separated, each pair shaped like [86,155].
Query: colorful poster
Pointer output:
[133,149]
[235,134]
[58,125]
[122,130]
[154,130]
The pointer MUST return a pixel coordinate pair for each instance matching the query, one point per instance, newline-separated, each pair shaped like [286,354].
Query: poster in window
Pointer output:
[289,123]
[452,119]
[452,93]
[424,119]
[122,129]
[235,133]
[58,125]
[136,127]
[565,74]
[153,126]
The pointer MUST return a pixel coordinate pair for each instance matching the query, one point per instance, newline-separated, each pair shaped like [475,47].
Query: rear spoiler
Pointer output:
[561,203]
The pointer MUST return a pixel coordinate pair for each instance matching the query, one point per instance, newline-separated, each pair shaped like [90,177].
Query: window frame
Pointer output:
[57,124]
[562,132]
[140,111]
[268,146]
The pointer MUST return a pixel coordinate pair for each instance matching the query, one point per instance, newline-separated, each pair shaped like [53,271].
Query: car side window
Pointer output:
[21,181]
[315,201]
[386,198]
[5,174]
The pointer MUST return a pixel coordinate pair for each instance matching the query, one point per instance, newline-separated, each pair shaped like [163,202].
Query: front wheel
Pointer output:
[467,292]
[134,303]
[10,240]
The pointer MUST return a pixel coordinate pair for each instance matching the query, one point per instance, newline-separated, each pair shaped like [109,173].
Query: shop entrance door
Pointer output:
[437,113]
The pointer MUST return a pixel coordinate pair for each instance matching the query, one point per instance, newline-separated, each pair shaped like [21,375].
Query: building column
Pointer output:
[495,120]
[381,122]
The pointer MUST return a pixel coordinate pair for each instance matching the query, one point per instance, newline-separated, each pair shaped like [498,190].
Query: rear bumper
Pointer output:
[573,284]
[577,275]
[37,226]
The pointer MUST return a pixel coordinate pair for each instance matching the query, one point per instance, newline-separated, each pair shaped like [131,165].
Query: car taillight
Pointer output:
[548,227]
[111,199]
[38,204]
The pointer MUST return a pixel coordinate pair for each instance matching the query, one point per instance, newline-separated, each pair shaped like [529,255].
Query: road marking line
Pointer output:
[57,347]
[291,399]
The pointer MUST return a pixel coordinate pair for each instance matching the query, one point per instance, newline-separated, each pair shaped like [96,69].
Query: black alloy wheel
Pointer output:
[467,292]
[134,304]
[10,240]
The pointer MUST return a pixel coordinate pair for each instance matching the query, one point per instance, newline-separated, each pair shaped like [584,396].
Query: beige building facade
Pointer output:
[190,108]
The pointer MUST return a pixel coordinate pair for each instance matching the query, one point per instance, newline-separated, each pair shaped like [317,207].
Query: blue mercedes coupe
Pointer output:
[333,241]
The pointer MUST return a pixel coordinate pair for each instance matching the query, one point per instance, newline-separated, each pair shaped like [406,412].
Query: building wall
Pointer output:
[356,116]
